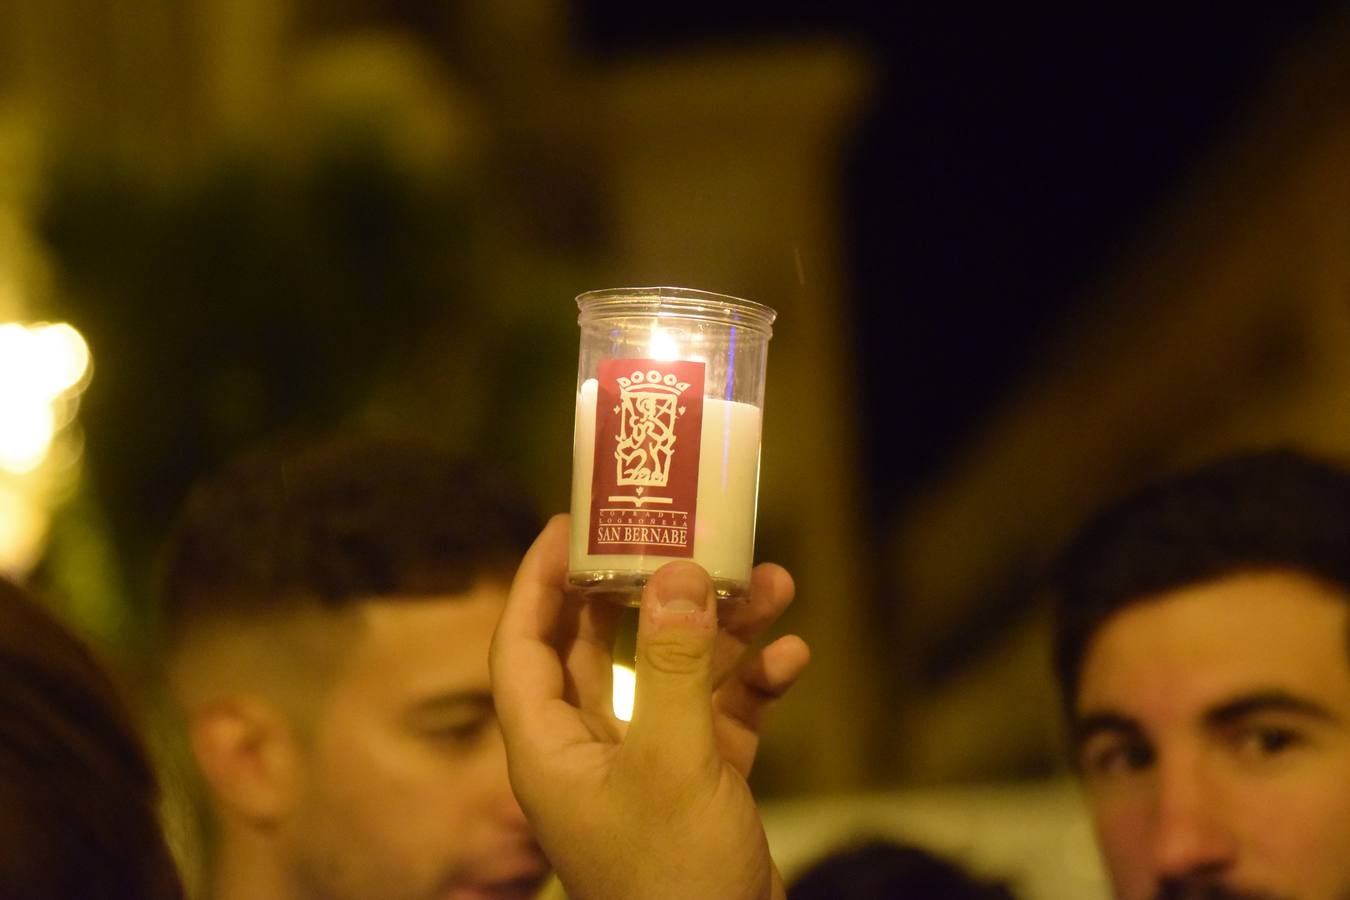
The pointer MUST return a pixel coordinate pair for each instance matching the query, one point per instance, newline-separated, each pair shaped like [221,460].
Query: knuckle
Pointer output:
[676,655]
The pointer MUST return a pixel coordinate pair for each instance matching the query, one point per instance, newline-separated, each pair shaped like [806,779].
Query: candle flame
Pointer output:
[663,346]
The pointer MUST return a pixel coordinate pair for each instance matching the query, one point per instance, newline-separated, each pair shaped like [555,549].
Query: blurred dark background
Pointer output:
[1023,258]
[1001,161]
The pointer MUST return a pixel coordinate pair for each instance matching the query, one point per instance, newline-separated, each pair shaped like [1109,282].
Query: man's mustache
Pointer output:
[1207,888]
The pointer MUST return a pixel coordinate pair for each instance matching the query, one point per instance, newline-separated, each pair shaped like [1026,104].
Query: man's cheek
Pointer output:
[1123,838]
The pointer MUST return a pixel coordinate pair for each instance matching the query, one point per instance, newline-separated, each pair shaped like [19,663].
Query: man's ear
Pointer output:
[248,753]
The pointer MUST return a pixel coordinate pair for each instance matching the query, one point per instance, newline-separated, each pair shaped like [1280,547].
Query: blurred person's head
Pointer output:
[1203,654]
[329,607]
[883,869]
[78,798]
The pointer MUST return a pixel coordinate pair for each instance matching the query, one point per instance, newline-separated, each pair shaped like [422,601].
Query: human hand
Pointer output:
[657,809]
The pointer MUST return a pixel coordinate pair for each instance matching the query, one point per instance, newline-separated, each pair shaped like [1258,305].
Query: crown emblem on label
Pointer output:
[652,381]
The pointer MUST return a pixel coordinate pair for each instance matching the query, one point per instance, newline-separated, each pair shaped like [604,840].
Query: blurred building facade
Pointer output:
[1226,325]
[711,168]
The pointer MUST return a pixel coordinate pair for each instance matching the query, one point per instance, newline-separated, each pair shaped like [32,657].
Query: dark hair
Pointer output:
[1268,510]
[881,868]
[336,520]
[78,797]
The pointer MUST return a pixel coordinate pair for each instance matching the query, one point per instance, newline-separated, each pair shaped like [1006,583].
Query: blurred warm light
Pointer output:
[27,426]
[40,366]
[60,357]
[625,680]
[23,526]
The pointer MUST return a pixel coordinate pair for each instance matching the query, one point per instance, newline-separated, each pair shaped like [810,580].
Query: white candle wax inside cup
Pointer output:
[728,483]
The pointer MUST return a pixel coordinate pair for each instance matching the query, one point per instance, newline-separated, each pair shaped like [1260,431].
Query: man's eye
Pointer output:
[1263,743]
[459,733]
[1119,758]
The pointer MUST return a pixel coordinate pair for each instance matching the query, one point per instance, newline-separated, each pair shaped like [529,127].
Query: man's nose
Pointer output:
[1192,835]
[508,809]
[505,807]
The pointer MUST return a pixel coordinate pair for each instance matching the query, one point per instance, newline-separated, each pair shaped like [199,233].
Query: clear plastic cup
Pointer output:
[665,452]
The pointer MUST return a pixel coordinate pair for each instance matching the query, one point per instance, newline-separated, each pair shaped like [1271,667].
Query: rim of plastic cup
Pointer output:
[676,301]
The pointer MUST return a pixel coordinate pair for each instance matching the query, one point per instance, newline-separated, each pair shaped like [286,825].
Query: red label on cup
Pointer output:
[648,427]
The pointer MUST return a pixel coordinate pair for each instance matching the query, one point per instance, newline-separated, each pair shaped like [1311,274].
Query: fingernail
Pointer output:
[683,591]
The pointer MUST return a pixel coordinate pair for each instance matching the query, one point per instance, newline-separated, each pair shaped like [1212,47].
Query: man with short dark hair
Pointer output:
[330,607]
[1203,652]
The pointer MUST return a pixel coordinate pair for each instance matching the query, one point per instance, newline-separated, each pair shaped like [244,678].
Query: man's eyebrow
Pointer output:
[1268,701]
[1086,727]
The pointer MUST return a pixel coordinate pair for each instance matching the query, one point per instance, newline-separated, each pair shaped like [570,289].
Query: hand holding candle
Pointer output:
[659,808]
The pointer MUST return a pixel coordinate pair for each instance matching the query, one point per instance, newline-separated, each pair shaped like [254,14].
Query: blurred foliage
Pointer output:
[253,298]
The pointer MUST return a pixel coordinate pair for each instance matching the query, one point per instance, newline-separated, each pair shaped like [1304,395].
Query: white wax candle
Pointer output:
[728,484]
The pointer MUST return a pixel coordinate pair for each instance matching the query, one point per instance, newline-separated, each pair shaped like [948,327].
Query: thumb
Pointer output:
[677,627]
